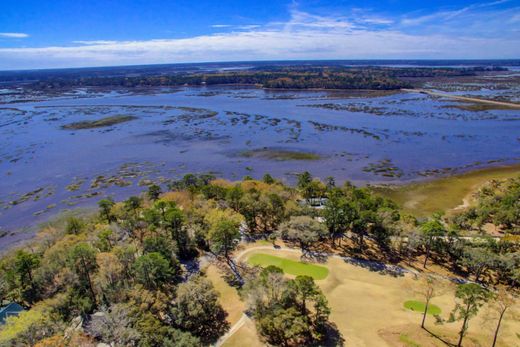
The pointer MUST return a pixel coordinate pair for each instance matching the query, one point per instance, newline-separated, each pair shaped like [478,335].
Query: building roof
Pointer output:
[12,309]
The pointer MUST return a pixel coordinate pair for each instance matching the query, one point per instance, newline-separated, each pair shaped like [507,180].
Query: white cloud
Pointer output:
[303,36]
[238,27]
[95,42]
[376,20]
[248,27]
[14,35]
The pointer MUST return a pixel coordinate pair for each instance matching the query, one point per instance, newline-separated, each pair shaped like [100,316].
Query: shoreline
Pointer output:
[463,98]
[448,193]
[409,195]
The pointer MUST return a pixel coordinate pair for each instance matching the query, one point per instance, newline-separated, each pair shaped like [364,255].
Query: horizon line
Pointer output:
[265,61]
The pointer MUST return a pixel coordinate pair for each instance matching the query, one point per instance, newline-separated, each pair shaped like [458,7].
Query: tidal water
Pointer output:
[232,132]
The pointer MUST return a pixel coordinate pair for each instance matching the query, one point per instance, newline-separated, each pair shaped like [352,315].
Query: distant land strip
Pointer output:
[463,98]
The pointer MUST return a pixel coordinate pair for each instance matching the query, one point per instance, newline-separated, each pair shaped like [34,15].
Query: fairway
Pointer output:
[368,307]
[419,306]
[289,266]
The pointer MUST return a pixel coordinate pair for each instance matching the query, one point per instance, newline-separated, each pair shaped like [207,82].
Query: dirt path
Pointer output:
[239,324]
[463,98]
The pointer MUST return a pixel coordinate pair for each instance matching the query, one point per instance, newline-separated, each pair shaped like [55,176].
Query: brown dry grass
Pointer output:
[229,298]
[367,308]
[245,337]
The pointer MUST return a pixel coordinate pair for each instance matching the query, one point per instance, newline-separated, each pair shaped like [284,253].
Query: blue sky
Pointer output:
[66,33]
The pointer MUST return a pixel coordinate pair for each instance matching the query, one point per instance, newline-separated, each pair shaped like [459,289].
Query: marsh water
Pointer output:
[232,132]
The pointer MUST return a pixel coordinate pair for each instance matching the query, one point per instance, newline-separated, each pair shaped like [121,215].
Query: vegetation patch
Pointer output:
[100,123]
[407,341]
[422,199]
[329,127]
[280,155]
[354,107]
[291,267]
[384,168]
[418,306]
[481,107]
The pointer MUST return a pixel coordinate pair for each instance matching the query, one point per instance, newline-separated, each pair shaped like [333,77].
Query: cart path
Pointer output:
[236,327]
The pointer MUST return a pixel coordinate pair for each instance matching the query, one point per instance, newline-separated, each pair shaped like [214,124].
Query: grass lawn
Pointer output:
[443,194]
[289,266]
[418,306]
[408,342]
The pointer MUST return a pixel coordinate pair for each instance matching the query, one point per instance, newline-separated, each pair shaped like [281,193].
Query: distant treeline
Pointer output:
[284,77]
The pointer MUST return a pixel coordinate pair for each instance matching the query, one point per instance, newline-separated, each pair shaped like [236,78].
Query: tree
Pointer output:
[28,327]
[283,327]
[338,214]
[304,179]
[105,209]
[82,259]
[224,235]
[250,209]
[74,226]
[470,298]
[154,191]
[315,189]
[360,224]
[174,222]
[503,303]
[478,260]
[126,255]
[133,204]
[330,182]
[162,245]
[197,310]
[288,312]
[105,240]
[131,218]
[266,290]
[306,185]
[306,291]
[233,196]
[109,279]
[431,230]
[115,326]
[25,263]
[428,288]
[156,333]
[268,179]
[153,271]
[304,230]
[271,211]
[4,285]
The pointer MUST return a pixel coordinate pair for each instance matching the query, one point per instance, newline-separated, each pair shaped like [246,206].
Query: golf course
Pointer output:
[288,266]
[369,308]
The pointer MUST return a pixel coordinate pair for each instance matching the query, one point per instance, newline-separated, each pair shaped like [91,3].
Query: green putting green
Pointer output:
[419,306]
[289,266]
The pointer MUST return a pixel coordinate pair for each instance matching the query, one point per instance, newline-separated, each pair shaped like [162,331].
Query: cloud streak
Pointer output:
[444,16]
[14,35]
